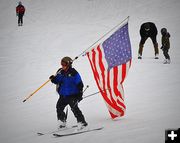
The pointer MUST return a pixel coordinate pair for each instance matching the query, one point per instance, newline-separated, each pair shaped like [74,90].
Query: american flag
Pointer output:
[110,62]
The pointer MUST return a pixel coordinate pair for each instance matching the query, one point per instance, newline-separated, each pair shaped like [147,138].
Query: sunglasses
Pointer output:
[63,64]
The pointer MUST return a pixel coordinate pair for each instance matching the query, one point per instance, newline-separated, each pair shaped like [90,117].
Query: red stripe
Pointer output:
[116,90]
[109,85]
[110,92]
[115,82]
[94,63]
[121,104]
[112,115]
[101,65]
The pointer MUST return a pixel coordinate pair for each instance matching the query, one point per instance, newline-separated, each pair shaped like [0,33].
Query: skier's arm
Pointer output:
[80,86]
[55,79]
[17,11]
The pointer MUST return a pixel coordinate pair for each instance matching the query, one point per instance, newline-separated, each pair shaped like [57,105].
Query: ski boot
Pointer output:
[61,124]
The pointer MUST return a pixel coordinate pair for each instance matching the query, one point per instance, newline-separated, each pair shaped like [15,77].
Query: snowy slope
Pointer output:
[56,28]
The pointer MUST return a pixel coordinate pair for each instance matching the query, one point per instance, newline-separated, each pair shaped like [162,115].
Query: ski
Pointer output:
[51,132]
[77,132]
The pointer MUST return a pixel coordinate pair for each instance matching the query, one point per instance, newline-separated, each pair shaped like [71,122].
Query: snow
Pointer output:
[58,28]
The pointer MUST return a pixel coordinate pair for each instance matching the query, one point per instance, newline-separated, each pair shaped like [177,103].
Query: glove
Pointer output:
[79,97]
[162,48]
[51,77]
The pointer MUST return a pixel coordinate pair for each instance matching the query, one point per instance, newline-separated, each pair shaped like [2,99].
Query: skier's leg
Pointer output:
[141,44]
[140,51]
[61,104]
[167,57]
[166,54]
[19,20]
[156,50]
[77,112]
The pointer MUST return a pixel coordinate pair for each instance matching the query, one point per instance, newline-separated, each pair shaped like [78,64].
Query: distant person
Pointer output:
[70,89]
[148,30]
[20,10]
[165,45]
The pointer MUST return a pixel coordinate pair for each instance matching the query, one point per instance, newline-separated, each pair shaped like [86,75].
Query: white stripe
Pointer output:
[120,88]
[98,69]
[127,67]
[114,111]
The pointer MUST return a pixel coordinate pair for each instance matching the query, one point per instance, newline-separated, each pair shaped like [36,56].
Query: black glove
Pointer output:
[52,78]
[79,97]
[162,48]
[80,87]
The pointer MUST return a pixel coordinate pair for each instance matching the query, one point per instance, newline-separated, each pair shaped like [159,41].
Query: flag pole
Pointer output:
[40,87]
[36,90]
[84,52]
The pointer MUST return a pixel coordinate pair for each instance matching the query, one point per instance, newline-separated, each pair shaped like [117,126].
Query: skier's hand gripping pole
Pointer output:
[37,90]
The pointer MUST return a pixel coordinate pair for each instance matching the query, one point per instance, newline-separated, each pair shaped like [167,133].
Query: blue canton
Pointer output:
[117,47]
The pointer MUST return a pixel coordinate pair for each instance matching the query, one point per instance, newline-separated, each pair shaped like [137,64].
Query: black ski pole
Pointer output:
[87,97]
[86,88]
[93,93]
[82,94]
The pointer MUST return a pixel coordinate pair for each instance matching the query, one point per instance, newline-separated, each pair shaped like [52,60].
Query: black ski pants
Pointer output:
[165,53]
[73,103]
[20,19]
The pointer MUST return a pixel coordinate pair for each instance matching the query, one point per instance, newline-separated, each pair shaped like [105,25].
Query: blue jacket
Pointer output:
[68,83]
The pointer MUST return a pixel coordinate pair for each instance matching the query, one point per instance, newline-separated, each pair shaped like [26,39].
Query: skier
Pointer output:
[165,45]
[70,89]
[20,10]
[147,30]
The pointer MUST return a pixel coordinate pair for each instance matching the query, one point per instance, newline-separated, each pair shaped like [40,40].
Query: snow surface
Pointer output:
[57,28]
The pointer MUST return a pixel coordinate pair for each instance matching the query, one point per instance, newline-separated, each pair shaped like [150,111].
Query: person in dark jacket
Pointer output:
[70,90]
[148,30]
[20,10]
[165,45]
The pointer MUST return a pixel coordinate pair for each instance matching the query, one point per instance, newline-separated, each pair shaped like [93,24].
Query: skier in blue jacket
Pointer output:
[70,90]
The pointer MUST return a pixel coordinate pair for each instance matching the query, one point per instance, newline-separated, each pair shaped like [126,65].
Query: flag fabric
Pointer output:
[110,62]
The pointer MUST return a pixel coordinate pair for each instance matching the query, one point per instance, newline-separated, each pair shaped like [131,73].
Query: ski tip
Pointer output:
[40,134]
[99,128]
[56,135]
